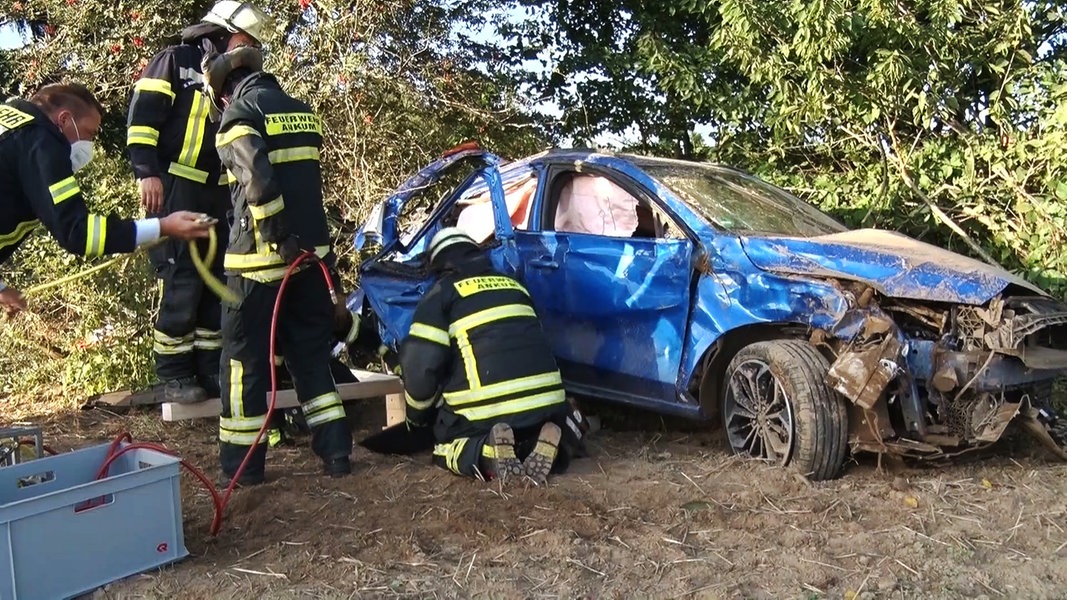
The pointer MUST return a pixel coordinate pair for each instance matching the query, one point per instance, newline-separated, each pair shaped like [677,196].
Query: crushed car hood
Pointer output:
[894,264]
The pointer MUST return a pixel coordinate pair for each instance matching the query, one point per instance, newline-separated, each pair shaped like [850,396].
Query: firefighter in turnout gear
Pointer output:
[171,142]
[42,143]
[477,367]
[270,143]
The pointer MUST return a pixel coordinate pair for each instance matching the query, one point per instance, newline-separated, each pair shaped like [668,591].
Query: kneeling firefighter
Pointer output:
[477,367]
[270,143]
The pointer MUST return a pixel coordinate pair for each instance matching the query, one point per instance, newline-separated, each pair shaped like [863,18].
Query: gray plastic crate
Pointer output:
[63,534]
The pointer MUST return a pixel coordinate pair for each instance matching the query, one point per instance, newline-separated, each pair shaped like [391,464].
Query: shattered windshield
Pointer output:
[739,203]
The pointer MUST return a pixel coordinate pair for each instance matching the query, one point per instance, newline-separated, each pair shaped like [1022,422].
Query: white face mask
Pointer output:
[81,152]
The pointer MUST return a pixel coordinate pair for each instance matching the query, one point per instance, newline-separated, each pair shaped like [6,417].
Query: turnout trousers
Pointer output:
[304,332]
[187,340]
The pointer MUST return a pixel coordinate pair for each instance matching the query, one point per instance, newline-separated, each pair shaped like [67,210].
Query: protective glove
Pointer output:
[289,249]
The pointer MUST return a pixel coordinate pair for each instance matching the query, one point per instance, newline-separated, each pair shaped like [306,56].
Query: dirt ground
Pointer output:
[659,511]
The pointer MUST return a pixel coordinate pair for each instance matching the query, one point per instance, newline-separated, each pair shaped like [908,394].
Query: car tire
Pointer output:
[800,422]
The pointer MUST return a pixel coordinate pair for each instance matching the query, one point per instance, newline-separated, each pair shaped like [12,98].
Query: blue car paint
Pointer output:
[894,264]
[589,296]
[581,288]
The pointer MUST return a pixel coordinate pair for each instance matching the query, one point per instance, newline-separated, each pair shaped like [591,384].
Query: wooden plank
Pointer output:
[396,410]
[122,399]
[370,385]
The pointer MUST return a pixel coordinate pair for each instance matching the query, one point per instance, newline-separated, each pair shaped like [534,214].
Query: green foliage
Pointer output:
[396,83]
[934,117]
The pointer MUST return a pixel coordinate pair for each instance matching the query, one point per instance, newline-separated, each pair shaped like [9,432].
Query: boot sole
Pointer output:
[505,464]
[539,463]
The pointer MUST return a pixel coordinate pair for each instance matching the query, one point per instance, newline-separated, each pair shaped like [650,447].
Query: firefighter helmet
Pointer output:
[447,237]
[239,17]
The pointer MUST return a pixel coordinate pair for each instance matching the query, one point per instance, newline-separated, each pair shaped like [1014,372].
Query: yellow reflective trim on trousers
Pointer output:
[237,388]
[231,134]
[207,333]
[187,172]
[239,439]
[262,211]
[430,333]
[194,130]
[511,407]
[207,344]
[142,134]
[242,424]
[473,285]
[286,155]
[496,390]
[227,178]
[172,350]
[320,402]
[417,404]
[21,230]
[62,190]
[95,235]
[149,84]
[336,413]
[483,317]
[159,336]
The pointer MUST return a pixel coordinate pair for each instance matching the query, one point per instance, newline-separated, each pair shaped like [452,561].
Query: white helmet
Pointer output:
[239,16]
[449,236]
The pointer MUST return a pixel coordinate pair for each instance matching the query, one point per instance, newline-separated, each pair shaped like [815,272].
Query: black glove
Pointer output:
[289,249]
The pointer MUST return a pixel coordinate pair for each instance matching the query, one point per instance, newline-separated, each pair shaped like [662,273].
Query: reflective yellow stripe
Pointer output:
[148,84]
[470,361]
[169,346]
[505,388]
[433,334]
[262,211]
[511,407]
[336,413]
[293,154]
[507,311]
[142,134]
[237,388]
[281,123]
[473,285]
[187,172]
[208,333]
[95,235]
[488,450]
[226,178]
[320,402]
[240,439]
[21,230]
[242,424]
[194,131]
[231,134]
[207,344]
[261,263]
[417,404]
[62,190]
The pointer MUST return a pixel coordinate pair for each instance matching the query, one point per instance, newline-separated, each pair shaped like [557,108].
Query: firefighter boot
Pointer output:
[183,390]
[503,464]
[539,463]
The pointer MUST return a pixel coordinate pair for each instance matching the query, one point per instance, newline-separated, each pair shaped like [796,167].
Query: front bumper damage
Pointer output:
[955,389]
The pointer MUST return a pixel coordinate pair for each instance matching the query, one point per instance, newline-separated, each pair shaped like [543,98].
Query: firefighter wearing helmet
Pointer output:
[171,140]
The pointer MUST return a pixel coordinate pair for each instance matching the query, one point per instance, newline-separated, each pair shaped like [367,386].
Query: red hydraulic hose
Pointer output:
[221,500]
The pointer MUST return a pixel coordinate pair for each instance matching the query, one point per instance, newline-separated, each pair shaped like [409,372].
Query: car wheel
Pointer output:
[776,406]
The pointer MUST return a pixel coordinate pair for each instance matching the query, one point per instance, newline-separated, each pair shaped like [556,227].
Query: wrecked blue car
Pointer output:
[700,291]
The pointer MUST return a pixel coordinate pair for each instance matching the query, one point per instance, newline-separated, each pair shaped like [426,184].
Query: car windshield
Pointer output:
[737,202]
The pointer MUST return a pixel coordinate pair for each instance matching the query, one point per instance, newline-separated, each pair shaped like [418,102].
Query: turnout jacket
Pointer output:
[168,128]
[37,185]
[476,355]
[270,141]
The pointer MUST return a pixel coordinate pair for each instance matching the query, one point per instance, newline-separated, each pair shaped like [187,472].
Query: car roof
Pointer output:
[639,160]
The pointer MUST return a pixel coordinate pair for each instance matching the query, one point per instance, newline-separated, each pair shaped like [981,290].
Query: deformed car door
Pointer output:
[614,308]
[398,276]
